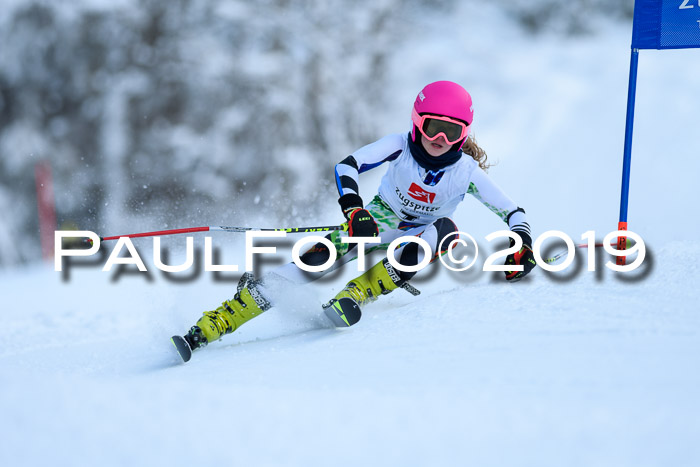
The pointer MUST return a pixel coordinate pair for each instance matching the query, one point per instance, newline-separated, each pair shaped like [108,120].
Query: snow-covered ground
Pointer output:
[589,371]
[576,368]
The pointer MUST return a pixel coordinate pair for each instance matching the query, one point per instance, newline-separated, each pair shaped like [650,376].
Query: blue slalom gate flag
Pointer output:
[666,24]
[657,24]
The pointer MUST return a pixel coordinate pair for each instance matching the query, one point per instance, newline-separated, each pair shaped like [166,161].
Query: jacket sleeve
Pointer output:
[366,158]
[490,195]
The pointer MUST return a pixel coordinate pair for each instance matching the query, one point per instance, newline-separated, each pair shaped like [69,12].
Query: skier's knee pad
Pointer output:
[444,227]
[434,234]
[316,255]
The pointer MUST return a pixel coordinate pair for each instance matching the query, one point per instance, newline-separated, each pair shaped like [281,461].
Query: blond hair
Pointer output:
[471,148]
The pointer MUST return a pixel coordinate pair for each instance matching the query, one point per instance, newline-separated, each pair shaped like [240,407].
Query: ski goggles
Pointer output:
[433,126]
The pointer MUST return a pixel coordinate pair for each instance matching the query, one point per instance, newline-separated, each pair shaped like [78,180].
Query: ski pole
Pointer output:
[222,228]
[583,245]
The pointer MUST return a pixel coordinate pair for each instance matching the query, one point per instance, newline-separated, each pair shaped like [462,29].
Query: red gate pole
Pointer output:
[46,206]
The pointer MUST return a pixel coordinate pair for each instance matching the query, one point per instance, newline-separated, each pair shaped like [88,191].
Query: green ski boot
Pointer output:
[345,308]
[246,304]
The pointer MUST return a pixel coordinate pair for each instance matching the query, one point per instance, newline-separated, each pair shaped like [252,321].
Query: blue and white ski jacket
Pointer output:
[421,196]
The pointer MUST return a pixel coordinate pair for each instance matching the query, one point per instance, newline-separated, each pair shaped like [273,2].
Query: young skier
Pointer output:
[430,169]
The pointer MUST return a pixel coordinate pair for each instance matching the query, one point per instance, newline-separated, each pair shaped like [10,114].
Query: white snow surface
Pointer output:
[576,368]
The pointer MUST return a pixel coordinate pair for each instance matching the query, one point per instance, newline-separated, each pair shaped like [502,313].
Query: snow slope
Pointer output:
[590,371]
[577,368]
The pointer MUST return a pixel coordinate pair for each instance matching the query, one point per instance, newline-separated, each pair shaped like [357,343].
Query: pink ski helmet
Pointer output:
[446,99]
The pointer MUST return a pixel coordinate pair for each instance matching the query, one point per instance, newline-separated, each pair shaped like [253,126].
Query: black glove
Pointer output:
[360,221]
[524,257]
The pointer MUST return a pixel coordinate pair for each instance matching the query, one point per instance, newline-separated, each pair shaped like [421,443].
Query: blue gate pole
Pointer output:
[627,160]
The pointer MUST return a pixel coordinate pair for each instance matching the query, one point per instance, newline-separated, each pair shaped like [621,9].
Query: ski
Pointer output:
[182,347]
[343,313]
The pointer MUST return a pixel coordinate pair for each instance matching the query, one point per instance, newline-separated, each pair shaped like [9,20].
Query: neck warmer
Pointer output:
[429,162]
